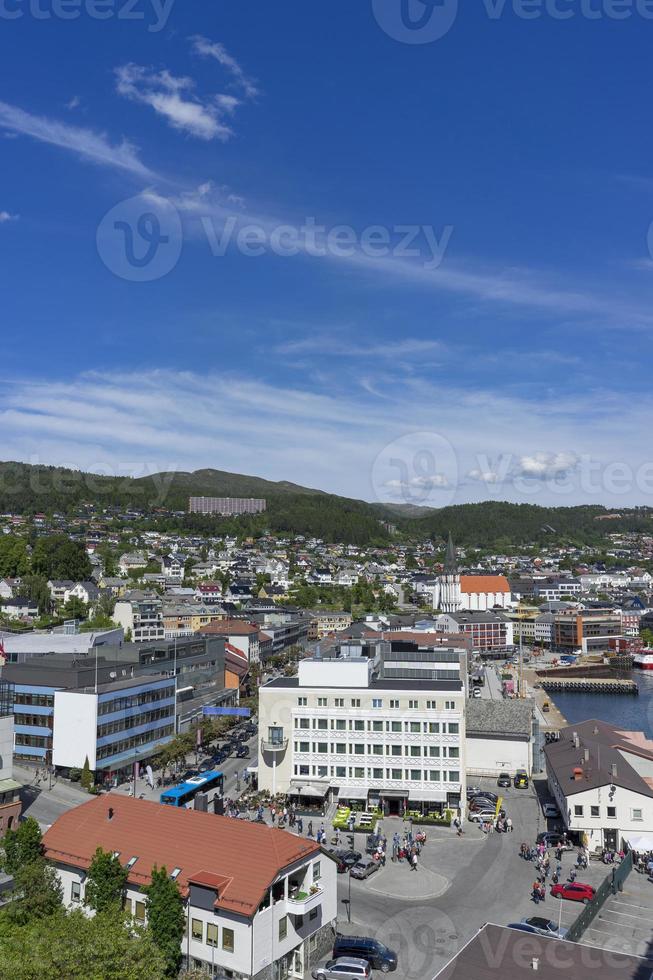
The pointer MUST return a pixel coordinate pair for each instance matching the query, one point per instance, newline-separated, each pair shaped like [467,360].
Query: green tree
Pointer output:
[165,918]
[78,947]
[37,892]
[86,778]
[647,637]
[35,587]
[58,557]
[106,882]
[75,608]
[23,845]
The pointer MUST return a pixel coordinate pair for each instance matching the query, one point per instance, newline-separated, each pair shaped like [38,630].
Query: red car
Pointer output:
[576,891]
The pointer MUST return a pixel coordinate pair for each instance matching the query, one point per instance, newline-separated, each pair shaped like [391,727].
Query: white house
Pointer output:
[260,903]
[602,780]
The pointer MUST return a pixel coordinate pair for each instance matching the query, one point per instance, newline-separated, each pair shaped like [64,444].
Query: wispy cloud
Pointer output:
[74,103]
[335,346]
[173,98]
[85,143]
[5,216]
[214,49]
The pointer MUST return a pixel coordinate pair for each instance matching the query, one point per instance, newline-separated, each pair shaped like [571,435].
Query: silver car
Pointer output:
[344,968]
[364,868]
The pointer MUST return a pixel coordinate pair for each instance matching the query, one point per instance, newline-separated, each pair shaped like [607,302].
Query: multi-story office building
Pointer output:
[142,614]
[226,506]
[260,903]
[322,623]
[10,805]
[385,730]
[489,631]
[588,630]
[133,683]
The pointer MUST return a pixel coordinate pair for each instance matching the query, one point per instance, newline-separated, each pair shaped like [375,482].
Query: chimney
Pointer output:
[110,813]
[535,963]
[595,730]
[613,771]
[576,740]
[586,754]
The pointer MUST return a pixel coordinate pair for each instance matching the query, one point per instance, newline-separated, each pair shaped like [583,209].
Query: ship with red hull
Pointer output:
[643,660]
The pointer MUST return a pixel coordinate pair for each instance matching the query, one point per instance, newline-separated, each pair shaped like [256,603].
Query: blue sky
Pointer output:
[507,355]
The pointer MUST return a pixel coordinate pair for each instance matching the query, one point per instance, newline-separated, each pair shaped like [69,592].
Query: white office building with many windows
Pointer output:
[383,730]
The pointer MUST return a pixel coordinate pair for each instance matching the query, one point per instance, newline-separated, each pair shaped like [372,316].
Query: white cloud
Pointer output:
[216,50]
[86,143]
[5,216]
[330,438]
[74,103]
[173,98]
[335,346]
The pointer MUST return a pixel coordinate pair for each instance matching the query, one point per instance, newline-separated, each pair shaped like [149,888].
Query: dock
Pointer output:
[587,685]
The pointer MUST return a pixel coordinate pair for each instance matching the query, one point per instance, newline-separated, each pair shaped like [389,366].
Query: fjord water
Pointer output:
[623,710]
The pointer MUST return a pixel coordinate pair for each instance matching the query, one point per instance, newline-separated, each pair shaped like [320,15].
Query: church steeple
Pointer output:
[450,562]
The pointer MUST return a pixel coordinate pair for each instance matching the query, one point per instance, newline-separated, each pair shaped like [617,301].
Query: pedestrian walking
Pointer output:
[509,827]
[413,862]
[310,828]
[300,825]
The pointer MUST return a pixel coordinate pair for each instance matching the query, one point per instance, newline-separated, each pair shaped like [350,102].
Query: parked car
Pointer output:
[372,843]
[219,757]
[345,859]
[343,968]
[476,692]
[473,791]
[575,891]
[554,839]
[242,751]
[550,811]
[545,926]
[479,816]
[481,804]
[379,956]
[504,780]
[487,795]
[522,927]
[521,779]
[364,868]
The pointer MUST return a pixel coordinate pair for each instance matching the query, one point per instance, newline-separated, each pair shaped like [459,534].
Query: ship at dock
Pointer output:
[643,660]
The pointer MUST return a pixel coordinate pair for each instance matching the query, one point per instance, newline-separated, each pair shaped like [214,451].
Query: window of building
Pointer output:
[578,810]
[395,726]
[359,726]
[323,747]
[75,892]
[359,773]
[434,775]
[612,812]
[355,702]
[303,746]
[341,747]
[339,702]
[431,705]
[637,815]
[397,774]
[416,775]
[595,811]
[211,934]
[434,751]
[322,771]
[322,702]
[454,752]
[313,914]
[322,724]
[394,703]
[377,726]
[228,940]
[449,705]
[303,771]
[197,930]
[304,722]
[454,776]
[416,750]
[317,871]
[341,725]
[377,774]
[359,748]
[377,750]
[377,702]
[341,772]
[413,704]
[302,702]
[415,727]
[434,728]
[396,750]
[454,728]
[139,912]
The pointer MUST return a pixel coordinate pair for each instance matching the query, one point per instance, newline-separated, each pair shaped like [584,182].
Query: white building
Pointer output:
[260,903]
[498,737]
[384,731]
[602,780]
[142,613]
[478,593]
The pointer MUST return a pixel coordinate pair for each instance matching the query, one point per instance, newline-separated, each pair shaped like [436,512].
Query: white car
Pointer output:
[480,816]
[550,811]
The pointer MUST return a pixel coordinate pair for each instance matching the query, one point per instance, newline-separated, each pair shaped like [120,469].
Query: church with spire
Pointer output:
[456,592]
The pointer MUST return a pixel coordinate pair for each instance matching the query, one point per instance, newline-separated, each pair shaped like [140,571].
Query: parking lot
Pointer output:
[625,924]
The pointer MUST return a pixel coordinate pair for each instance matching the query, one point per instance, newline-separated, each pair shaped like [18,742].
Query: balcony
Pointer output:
[274,744]
[301,903]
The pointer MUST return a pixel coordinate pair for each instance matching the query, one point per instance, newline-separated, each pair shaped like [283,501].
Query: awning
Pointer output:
[9,784]
[427,796]
[393,794]
[308,789]
[641,842]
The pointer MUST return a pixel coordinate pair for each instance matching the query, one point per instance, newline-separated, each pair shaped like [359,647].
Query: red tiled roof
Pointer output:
[247,857]
[483,583]
[229,627]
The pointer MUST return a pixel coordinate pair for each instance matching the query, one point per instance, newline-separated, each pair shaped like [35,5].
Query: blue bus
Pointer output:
[184,793]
